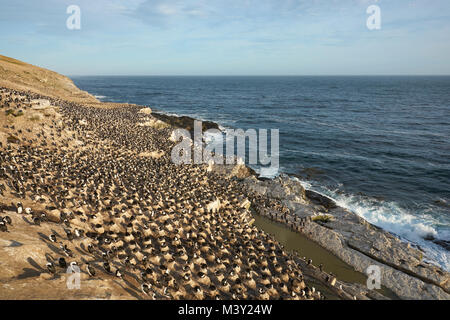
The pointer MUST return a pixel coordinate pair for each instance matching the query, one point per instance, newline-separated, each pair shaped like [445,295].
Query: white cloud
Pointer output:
[167,9]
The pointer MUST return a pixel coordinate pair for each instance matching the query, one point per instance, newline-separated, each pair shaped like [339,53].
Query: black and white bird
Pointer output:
[78,233]
[51,268]
[90,248]
[43,217]
[19,207]
[66,250]
[62,263]
[90,270]
[7,220]
[145,288]
[69,234]
[74,266]
[37,221]
[3,227]
[107,267]
[118,273]
[52,237]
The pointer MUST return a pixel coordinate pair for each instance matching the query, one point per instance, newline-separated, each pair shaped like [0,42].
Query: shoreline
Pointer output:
[207,124]
[282,189]
[431,245]
[394,268]
[183,242]
[309,249]
[126,138]
[308,271]
[326,204]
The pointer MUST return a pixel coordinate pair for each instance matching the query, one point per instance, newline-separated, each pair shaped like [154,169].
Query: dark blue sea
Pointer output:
[379,146]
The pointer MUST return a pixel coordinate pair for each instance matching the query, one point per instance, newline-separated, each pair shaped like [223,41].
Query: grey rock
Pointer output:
[357,242]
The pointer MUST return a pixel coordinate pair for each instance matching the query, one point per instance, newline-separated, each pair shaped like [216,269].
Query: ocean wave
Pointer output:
[414,228]
[266,172]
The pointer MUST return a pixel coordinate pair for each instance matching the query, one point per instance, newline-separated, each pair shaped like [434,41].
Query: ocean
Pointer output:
[379,146]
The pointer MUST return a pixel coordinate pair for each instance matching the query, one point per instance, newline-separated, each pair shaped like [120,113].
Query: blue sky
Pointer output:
[245,37]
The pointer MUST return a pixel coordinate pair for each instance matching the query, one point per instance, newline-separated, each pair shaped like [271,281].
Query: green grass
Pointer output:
[322,218]
[160,125]
[13,113]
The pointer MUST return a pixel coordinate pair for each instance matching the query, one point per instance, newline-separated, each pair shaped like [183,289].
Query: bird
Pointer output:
[52,237]
[69,234]
[107,267]
[90,248]
[66,250]
[145,288]
[51,267]
[62,262]
[74,266]
[37,221]
[7,220]
[78,233]
[90,270]
[19,208]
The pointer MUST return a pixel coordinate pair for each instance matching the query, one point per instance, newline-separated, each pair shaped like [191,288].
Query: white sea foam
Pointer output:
[393,218]
[99,97]
[170,114]
[269,172]
[213,138]
[266,172]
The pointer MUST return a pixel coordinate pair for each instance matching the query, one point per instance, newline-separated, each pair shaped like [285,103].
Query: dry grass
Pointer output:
[15,74]
[34,118]
[11,60]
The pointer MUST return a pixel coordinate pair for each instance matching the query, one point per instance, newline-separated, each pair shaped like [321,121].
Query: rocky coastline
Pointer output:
[346,235]
[354,240]
[97,177]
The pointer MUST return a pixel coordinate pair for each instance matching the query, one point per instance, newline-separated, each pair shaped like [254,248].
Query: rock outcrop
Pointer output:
[354,240]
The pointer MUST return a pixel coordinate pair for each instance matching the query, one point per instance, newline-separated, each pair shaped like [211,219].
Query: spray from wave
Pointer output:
[392,217]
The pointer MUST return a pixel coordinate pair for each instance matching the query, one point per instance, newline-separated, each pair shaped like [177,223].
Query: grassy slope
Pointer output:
[18,75]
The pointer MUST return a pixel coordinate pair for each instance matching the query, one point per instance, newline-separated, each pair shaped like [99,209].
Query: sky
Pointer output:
[229,37]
